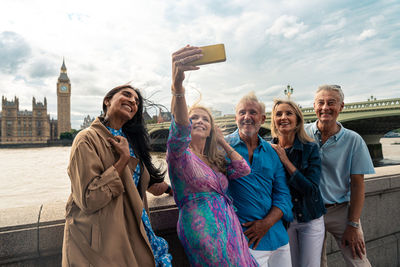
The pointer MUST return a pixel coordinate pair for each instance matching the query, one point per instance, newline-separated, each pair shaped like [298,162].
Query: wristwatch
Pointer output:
[353,224]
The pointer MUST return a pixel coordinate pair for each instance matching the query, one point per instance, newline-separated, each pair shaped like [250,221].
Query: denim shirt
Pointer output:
[255,194]
[304,182]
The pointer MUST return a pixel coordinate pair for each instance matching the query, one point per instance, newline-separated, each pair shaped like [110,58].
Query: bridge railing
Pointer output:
[309,113]
[365,105]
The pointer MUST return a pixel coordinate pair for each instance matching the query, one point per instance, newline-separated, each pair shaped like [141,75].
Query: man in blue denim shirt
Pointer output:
[262,198]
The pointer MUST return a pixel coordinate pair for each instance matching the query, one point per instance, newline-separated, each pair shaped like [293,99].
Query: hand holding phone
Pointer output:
[211,54]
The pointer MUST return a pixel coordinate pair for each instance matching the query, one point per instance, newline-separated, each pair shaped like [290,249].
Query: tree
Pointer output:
[74,132]
[69,135]
[66,136]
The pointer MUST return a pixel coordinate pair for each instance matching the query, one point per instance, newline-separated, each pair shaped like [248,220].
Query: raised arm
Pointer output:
[179,60]
[305,181]
[93,186]
[237,167]
[230,152]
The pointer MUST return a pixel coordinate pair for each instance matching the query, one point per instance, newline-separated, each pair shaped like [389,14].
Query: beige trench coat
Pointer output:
[103,224]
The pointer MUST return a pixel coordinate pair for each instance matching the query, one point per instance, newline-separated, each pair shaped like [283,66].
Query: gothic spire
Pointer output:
[63,68]
[63,74]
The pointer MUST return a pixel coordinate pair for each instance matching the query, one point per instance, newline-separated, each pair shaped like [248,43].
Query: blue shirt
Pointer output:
[304,182]
[342,155]
[255,194]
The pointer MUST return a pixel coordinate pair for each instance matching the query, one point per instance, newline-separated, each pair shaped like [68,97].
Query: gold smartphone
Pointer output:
[211,54]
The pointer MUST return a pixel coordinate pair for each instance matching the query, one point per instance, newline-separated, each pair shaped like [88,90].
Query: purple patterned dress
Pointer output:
[208,227]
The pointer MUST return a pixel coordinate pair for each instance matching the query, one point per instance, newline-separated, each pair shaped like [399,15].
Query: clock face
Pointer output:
[63,88]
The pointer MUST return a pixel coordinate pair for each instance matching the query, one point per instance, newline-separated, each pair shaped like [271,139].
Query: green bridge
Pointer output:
[371,119]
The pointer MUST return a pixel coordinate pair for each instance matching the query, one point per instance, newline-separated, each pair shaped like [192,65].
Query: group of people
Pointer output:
[242,201]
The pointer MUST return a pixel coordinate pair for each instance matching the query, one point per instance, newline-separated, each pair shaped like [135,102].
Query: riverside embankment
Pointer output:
[32,236]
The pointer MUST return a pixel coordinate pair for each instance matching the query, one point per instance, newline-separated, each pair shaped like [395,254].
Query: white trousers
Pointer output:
[306,241]
[275,258]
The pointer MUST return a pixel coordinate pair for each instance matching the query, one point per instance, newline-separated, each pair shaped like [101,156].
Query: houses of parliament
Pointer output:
[35,127]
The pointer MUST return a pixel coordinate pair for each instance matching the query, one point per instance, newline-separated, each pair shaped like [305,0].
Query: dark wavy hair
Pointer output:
[137,134]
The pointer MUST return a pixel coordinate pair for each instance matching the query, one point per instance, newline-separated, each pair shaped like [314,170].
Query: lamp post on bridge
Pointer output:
[288,91]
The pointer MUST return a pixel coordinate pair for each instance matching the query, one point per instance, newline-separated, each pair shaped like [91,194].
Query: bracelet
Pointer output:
[177,95]
[230,152]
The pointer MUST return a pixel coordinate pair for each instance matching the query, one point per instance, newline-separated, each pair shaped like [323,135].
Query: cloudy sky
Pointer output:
[269,44]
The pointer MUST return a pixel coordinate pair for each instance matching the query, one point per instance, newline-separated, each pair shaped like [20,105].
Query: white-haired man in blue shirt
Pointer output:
[345,159]
[262,198]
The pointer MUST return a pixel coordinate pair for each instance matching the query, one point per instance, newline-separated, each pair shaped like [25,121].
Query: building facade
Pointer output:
[163,116]
[31,127]
[87,121]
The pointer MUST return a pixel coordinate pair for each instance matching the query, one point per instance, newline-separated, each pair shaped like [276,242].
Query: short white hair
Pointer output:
[251,97]
[331,87]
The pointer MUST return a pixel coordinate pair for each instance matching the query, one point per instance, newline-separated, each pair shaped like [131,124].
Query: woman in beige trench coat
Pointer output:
[110,169]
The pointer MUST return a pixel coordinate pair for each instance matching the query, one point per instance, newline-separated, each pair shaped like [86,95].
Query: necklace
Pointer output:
[197,153]
[285,147]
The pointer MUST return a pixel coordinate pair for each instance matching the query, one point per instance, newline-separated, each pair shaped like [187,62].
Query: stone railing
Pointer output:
[365,105]
[380,220]
[32,236]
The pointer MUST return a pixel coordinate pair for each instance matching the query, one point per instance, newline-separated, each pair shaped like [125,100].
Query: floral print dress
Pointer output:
[208,227]
[158,244]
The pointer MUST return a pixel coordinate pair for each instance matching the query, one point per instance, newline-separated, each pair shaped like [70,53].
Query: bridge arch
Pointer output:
[370,119]
[265,132]
[376,122]
[158,139]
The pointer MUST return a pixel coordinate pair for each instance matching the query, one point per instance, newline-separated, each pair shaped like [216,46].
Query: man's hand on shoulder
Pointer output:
[256,231]
[353,237]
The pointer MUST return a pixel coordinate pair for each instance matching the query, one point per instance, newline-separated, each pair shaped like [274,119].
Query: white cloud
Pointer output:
[366,34]
[375,20]
[268,45]
[287,26]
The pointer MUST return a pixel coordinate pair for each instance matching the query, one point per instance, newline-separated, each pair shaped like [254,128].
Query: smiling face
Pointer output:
[285,119]
[201,123]
[249,118]
[327,106]
[123,105]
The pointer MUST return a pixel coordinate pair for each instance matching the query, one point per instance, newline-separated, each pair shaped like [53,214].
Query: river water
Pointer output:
[33,176]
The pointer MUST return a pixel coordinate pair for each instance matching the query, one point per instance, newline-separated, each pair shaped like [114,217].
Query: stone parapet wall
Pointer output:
[32,236]
[380,220]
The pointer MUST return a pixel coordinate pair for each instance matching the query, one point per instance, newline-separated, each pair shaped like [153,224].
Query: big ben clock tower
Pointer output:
[63,101]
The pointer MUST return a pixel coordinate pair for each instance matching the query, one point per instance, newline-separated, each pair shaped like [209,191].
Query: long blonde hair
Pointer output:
[301,133]
[214,155]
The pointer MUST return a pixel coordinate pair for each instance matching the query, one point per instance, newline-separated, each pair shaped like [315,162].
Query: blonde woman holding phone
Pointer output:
[208,227]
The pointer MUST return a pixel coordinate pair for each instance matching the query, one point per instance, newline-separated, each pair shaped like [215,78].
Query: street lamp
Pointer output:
[288,91]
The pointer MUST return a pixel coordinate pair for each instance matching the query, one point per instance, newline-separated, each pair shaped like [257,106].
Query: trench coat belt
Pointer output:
[336,204]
